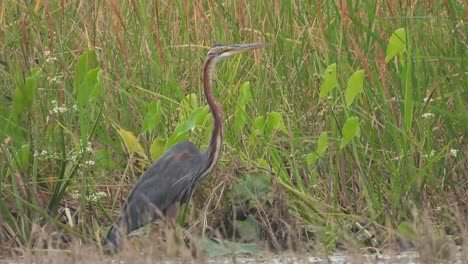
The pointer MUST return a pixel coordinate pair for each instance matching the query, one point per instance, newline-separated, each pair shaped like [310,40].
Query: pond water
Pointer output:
[338,258]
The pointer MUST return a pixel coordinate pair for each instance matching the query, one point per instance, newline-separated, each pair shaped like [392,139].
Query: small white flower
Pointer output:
[89,148]
[454,152]
[427,98]
[430,155]
[427,115]
[75,107]
[75,194]
[89,163]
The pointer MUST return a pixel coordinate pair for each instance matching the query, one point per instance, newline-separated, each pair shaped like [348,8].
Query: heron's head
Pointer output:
[222,51]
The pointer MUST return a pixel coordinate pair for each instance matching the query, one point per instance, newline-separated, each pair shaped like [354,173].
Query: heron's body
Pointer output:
[172,179]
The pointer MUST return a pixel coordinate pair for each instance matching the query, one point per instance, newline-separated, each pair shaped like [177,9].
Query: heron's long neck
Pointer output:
[214,149]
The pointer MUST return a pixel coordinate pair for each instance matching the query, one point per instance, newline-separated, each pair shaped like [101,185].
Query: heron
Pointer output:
[171,180]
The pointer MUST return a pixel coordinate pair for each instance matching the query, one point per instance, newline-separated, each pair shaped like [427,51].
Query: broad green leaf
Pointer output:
[311,158]
[259,123]
[350,130]
[248,229]
[241,118]
[103,159]
[355,84]
[329,82]
[157,148]
[25,93]
[396,44]
[322,143]
[131,142]
[189,103]
[91,87]
[262,163]
[406,230]
[200,114]
[86,62]
[254,185]
[153,116]
[274,122]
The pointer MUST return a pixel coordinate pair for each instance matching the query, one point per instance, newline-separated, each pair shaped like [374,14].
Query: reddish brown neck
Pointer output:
[214,149]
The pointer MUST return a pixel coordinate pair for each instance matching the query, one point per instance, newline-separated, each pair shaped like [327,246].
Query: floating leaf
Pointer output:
[131,142]
[350,130]
[322,143]
[355,85]
[329,82]
[215,248]
[157,148]
[153,116]
[396,44]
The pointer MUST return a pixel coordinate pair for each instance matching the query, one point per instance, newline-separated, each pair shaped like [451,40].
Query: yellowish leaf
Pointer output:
[131,142]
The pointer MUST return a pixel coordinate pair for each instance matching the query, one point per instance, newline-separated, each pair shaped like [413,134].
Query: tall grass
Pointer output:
[94,91]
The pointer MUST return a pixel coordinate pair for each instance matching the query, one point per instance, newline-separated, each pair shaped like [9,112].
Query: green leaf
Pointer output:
[406,230]
[157,148]
[241,118]
[25,93]
[86,62]
[262,163]
[322,143]
[311,158]
[248,229]
[103,159]
[259,123]
[329,82]
[187,104]
[153,116]
[274,122]
[254,185]
[396,44]
[355,84]
[91,87]
[350,130]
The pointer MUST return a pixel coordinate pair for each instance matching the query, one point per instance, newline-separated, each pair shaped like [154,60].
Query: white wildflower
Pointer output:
[454,152]
[75,194]
[427,115]
[432,154]
[427,98]
[89,163]
[96,196]
[48,56]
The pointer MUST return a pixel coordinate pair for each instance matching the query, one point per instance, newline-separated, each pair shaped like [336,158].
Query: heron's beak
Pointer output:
[238,48]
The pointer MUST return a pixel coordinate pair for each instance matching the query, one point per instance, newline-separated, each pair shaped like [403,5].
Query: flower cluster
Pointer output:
[61,109]
[94,197]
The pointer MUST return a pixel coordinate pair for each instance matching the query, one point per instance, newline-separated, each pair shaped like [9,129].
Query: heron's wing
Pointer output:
[162,184]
